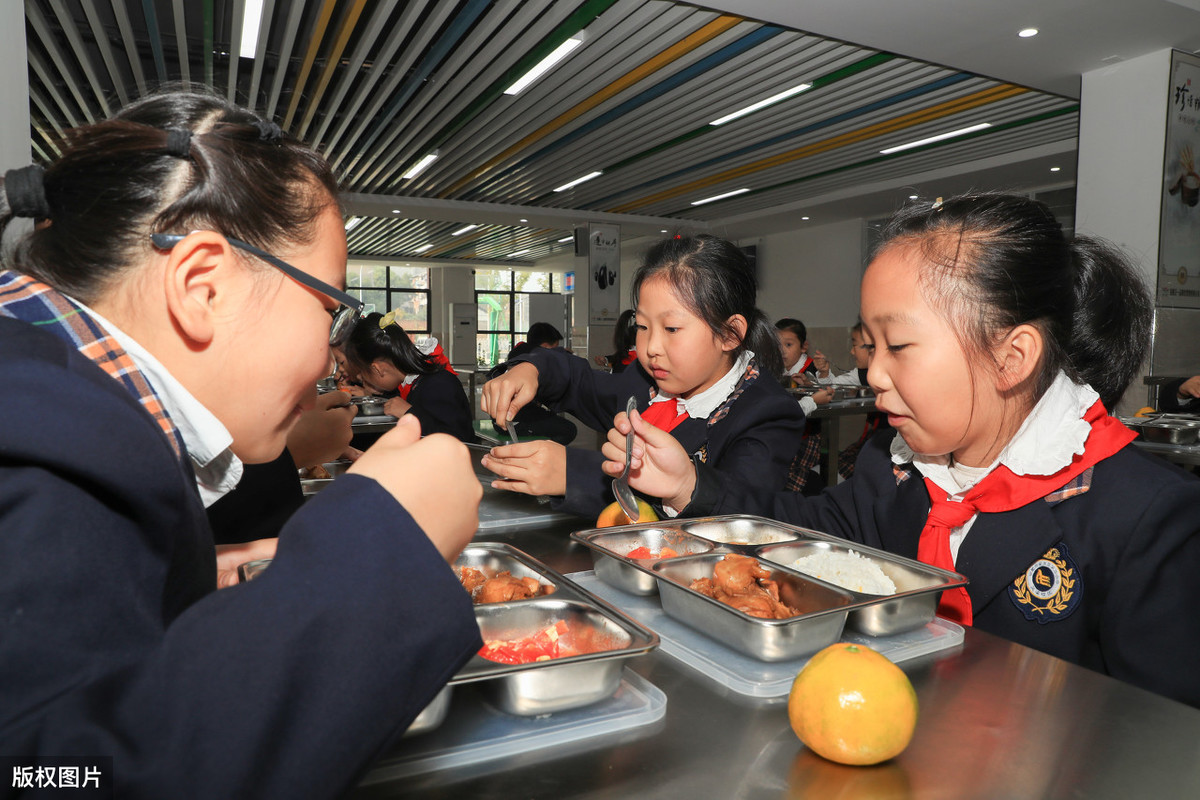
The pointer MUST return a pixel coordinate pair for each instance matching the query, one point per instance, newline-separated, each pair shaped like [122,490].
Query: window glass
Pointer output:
[408,278]
[373,299]
[367,275]
[493,279]
[495,311]
[412,310]
[492,348]
[531,281]
[384,288]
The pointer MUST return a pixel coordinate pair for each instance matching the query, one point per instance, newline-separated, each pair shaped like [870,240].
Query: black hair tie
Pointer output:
[26,190]
[268,131]
[179,142]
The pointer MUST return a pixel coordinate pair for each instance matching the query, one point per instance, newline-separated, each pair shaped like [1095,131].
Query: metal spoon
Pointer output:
[512,431]
[620,486]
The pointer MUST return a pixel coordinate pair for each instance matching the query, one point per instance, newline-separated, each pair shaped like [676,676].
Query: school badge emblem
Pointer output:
[1050,589]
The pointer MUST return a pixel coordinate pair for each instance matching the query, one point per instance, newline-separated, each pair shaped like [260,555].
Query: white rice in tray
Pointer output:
[848,570]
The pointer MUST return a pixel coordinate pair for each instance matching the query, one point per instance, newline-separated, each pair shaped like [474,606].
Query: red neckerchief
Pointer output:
[629,358]
[439,357]
[665,415]
[1001,490]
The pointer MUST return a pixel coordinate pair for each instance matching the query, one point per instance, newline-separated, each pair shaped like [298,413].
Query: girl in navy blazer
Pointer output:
[707,372]
[996,348]
[387,362]
[168,238]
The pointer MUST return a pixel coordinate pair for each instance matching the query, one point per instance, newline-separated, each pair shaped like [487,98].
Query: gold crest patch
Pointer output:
[1050,589]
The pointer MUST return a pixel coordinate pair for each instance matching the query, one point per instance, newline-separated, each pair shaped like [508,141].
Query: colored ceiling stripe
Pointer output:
[957,105]
[578,20]
[647,68]
[208,42]
[310,56]
[891,100]
[455,31]
[155,34]
[997,128]
[332,61]
[711,61]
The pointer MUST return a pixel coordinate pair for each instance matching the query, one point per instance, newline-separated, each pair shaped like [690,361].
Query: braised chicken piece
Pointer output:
[504,587]
[743,583]
[500,588]
[471,579]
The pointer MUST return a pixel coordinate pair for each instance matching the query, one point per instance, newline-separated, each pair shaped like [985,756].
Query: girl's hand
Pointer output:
[432,478]
[231,556]
[822,397]
[503,397]
[322,432]
[396,406]
[821,363]
[530,467]
[660,467]
[1190,388]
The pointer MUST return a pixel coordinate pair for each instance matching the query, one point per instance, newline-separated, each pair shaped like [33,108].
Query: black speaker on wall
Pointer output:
[581,241]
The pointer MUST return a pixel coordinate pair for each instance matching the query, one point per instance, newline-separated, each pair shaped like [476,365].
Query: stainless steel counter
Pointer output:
[997,720]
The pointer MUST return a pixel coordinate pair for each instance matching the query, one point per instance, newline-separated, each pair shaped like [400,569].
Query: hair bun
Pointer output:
[26,191]
[268,131]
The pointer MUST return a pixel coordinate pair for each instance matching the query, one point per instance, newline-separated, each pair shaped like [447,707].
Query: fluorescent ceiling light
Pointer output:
[423,248]
[1027,33]
[775,98]
[1055,169]
[567,239]
[804,218]
[463,230]
[938,138]
[719,197]
[251,20]
[353,222]
[422,165]
[545,64]
[518,253]
[578,181]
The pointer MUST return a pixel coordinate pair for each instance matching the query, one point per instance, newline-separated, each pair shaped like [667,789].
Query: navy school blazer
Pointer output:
[1103,574]
[750,447]
[116,644]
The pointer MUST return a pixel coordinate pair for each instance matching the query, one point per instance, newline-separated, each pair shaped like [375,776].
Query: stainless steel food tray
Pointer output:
[492,559]
[547,686]
[501,511]
[919,586]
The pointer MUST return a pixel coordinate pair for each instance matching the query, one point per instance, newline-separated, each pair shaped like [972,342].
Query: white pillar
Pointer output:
[14,89]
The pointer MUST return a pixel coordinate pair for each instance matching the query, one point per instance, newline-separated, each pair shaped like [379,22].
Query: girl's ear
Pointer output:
[736,325]
[1018,355]
[196,279]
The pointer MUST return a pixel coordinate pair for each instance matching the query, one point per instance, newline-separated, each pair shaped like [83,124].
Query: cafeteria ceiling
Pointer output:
[378,84]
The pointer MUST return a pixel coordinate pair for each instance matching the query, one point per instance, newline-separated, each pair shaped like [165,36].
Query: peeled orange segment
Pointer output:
[851,705]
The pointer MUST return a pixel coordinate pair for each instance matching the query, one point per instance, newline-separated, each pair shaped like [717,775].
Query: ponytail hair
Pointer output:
[994,261]
[369,342]
[714,280]
[171,162]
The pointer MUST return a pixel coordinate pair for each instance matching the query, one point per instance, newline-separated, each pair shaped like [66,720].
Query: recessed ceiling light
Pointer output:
[1027,33]
[578,181]
[395,211]
[422,165]
[664,230]
[353,222]
[524,220]
[716,197]
[804,218]
[770,101]
[423,248]
[1055,169]
[544,66]
[518,253]
[251,21]
[463,230]
[938,138]
[913,196]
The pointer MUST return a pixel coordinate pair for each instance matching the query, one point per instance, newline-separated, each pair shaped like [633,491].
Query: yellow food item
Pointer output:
[1144,411]
[851,705]
[613,515]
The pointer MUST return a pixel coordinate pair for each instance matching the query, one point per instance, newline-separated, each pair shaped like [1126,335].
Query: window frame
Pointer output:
[394,293]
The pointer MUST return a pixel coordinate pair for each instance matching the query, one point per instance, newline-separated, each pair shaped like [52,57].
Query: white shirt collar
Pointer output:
[207,441]
[1052,434]
[699,406]
[798,366]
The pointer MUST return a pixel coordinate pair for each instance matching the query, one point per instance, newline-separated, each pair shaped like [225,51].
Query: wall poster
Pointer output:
[1179,219]
[604,273]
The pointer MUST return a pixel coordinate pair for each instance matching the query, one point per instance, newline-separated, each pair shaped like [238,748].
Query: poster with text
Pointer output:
[1179,221]
[604,271]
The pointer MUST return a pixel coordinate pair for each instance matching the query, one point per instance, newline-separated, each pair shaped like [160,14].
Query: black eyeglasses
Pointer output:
[344,317]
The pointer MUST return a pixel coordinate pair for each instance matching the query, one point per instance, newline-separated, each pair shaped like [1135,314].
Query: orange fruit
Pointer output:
[1144,411]
[853,706]
[613,515]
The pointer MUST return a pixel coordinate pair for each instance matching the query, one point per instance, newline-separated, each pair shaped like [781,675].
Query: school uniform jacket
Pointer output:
[750,445]
[115,643]
[1103,573]
[439,402]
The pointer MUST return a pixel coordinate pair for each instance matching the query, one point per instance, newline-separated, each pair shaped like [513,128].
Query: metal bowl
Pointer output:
[819,623]
[919,586]
[1171,431]
[369,406]
[744,531]
[610,554]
